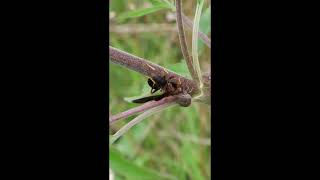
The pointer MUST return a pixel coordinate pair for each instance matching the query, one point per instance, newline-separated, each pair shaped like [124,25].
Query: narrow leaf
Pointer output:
[205,26]
[161,2]
[195,32]
[142,12]
[127,168]
[171,5]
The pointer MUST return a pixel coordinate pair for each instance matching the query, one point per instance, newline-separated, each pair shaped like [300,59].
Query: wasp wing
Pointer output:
[150,98]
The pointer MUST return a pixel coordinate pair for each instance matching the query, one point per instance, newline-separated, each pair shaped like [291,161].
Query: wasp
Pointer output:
[170,85]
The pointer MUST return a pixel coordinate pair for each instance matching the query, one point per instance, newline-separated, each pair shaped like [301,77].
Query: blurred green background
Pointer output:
[176,141]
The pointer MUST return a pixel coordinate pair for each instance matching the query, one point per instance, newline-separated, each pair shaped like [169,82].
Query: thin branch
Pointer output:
[138,119]
[141,108]
[149,69]
[135,63]
[202,35]
[140,28]
[183,42]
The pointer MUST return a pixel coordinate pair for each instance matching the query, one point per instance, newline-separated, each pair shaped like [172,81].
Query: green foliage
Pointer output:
[205,26]
[205,21]
[162,2]
[119,164]
[142,12]
[181,68]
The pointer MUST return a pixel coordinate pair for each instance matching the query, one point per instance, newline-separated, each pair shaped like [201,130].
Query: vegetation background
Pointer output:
[175,142]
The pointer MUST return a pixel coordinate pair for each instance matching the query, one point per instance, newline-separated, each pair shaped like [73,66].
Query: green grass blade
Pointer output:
[191,162]
[205,21]
[162,2]
[195,32]
[205,26]
[142,12]
[125,167]
[171,5]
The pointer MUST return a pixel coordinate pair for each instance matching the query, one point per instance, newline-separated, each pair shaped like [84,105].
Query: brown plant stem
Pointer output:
[141,108]
[135,63]
[183,42]
[149,69]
